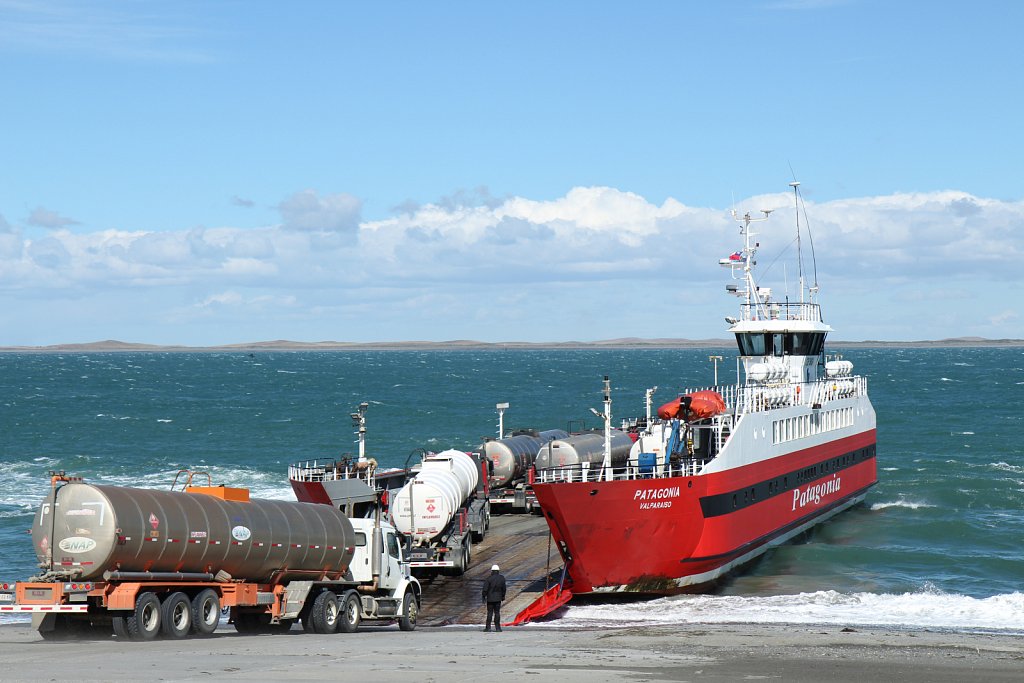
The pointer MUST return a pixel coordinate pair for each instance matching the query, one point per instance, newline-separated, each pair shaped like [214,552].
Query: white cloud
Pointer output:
[45,218]
[1002,318]
[609,261]
[221,299]
[99,28]
[307,211]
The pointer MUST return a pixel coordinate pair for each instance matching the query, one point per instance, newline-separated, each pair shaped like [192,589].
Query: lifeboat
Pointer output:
[697,405]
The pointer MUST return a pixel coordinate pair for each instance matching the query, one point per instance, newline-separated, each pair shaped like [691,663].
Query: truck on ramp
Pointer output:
[441,511]
[520,545]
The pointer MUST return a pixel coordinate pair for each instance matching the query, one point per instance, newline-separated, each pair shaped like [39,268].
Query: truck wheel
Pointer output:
[324,615]
[205,612]
[144,622]
[251,622]
[410,612]
[351,611]
[176,615]
[120,627]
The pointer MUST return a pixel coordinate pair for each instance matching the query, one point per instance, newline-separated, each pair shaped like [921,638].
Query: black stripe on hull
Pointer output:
[732,501]
[781,531]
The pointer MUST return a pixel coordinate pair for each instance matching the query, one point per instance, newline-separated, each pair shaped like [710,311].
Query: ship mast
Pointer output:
[752,295]
[813,289]
[606,465]
[799,253]
[359,421]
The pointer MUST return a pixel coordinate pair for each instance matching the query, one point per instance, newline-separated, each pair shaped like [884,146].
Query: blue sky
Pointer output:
[207,173]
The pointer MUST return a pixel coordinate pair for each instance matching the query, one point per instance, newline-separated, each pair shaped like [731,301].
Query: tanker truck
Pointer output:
[143,563]
[441,511]
[511,462]
[574,453]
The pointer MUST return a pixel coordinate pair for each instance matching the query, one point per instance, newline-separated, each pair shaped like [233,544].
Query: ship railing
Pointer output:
[763,397]
[587,472]
[330,470]
[756,398]
[781,310]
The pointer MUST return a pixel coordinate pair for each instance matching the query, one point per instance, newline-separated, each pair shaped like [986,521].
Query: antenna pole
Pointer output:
[799,253]
[359,421]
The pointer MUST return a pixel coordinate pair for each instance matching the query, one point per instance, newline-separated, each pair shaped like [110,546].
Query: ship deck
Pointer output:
[516,543]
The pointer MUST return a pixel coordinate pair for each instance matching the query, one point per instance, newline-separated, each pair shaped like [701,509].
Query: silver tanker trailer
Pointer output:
[145,562]
[581,450]
[510,460]
[442,510]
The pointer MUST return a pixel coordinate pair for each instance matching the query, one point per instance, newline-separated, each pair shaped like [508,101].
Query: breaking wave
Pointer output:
[926,609]
[901,504]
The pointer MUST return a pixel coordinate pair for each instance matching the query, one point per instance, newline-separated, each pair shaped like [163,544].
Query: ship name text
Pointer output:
[651,499]
[814,494]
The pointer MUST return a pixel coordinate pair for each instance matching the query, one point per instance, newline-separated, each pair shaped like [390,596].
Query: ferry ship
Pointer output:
[724,473]
[352,483]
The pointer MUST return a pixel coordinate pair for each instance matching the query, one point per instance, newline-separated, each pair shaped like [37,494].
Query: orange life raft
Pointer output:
[695,406]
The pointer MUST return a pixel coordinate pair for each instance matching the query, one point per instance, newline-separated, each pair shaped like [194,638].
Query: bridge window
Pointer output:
[804,343]
[778,344]
[751,344]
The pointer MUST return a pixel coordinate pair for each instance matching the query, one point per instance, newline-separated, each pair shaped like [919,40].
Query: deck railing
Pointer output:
[782,310]
[329,470]
[686,467]
[739,401]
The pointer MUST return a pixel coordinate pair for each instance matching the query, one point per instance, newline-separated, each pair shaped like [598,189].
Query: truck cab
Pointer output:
[378,552]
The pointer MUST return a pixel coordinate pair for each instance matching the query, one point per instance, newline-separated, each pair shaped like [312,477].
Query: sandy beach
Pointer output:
[691,653]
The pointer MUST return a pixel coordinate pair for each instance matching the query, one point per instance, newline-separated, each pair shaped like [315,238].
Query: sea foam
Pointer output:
[926,609]
[901,504]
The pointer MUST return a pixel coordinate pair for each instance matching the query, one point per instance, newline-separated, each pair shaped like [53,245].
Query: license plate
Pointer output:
[6,597]
[39,594]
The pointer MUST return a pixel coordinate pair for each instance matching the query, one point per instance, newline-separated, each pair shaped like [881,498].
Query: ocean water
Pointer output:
[939,543]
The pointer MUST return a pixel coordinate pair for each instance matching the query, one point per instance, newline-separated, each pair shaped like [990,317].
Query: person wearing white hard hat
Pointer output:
[493,594]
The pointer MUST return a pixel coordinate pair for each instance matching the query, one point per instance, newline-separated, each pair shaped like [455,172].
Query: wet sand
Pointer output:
[689,653]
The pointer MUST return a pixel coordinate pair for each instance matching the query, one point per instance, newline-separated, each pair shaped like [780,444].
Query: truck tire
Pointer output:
[120,626]
[205,612]
[144,621]
[252,622]
[410,612]
[176,615]
[324,615]
[351,612]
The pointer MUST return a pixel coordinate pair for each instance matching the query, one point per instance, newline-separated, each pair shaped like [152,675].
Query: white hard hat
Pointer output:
[494,567]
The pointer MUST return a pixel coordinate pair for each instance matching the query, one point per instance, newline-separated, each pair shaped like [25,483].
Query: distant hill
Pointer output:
[622,343]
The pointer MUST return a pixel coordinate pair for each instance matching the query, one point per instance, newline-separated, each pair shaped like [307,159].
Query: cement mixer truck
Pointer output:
[442,510]
[142,563]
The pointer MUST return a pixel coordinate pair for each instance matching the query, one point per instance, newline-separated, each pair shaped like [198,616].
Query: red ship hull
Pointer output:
[310,492]
[676,534]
